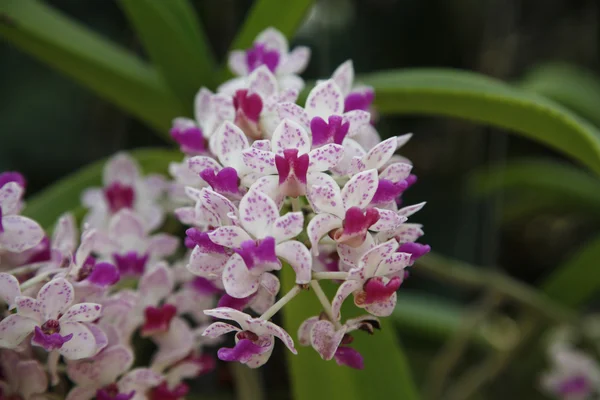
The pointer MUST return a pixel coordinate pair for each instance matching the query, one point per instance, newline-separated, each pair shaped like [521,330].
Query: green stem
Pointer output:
[456,272]
[329,275]
[282,302]
[247,383]
[324,302]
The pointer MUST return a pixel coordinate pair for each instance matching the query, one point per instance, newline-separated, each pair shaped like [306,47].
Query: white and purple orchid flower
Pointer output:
[55,322]
[263,184]
[254,339]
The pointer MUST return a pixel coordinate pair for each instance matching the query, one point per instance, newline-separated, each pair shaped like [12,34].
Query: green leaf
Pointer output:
[557,185]
[175,42]
[577,280]
[285,16]
[573,87]
[110,71]
[386,370]
[481,99]
[64,195]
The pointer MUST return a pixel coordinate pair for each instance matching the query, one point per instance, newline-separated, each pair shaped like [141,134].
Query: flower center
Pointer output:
[158,319]
[259,252]
[356,224]
[225,182]
[333,131]
[247,113]
[131,263]
[259,55]
[292,172]
[48,336]
[376,291]
[51,326]
[119,196]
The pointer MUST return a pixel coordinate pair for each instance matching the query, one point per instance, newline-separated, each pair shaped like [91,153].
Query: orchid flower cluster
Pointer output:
[265,184]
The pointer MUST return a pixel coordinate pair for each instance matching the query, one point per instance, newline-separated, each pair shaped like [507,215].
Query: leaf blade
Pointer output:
[108,70]
[477,98]
[558,185]
[575,281]
[175,42]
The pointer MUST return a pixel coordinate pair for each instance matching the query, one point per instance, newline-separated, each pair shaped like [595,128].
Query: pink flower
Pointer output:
[124,189]
[17,233]
[56,324]
[574,375]
[262,237]
[270,50]
[374,281]
[21,378]
[254,340]
[347,212]
[332,343]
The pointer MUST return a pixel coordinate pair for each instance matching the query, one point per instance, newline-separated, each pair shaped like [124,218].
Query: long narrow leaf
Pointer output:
[175,42]
[573,87]
[477,98]
[64,195]
[85,56]
[386,368]
[577,280]
[558,185]
[285,16]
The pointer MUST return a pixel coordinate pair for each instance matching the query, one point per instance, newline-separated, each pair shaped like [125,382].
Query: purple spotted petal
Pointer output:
[359,100]
[349,357]
[235,303]
[202,240]
[12,176]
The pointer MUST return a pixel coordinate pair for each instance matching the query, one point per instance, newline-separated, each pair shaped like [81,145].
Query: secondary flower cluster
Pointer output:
[265,185]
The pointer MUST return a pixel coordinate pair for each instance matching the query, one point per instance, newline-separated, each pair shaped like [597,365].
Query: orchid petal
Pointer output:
[20,233]
[304,330]
[383,308]
[360,189]
[259,161]
[270,283]
[238,281]
[82,312]
[9,289]
[258,213]
[230,314]
[388,220]
[319,226]
[358,119]
[237,62]
[217,329]
[288,226]
[14,329]
[229,236]
[126,223]
[198,164]
[263,82]
[229,142]
[342,293]
[410,210]
[393,264]
[371,260]
[55,297]
[81,345]
[121,168]
[174,345]
[343,76]
[32,379]
[295,62]
[299,258]
[156,283]
[324,195]
[290,135]
[10,196]
[273,40]
[324,100]
[396,172]
[103,369]
[325,157]
[163,245]
[293,112]
[325,339]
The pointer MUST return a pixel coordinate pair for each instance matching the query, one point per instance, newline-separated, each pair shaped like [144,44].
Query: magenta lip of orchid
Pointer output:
[264,185]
